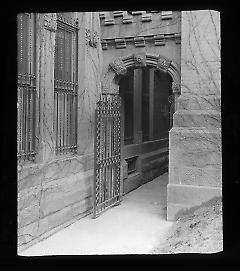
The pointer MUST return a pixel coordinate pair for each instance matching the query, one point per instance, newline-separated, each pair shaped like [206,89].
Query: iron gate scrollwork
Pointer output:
[107,183]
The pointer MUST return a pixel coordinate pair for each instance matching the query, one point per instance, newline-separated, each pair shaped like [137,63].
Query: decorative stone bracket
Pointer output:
[91,38]
[163,63]
[176,88]
[118,66]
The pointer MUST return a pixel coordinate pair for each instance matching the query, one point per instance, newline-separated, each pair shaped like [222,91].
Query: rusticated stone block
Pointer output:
[31,180]
[82,206]
[28,197]
[60,217]
[63,168]
[197,118]
[195,139]
[52,200]
[75,196]
[31,231]
[181,197]
[196,101]
[28,215]
[207,176]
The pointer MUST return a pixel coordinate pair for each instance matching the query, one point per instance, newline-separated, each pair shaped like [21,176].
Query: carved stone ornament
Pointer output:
[87,36]
[118,66]
[140,60]
[91,38]
[95,39]
[50,21]
[176,87]
[163,63]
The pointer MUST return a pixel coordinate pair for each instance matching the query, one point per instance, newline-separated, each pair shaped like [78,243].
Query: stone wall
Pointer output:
[195,139]
[56,190]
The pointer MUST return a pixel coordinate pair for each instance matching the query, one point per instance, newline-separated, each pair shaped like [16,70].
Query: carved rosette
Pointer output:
[163,63]
[118,66]
[176,87]
[140,60]
[50,21]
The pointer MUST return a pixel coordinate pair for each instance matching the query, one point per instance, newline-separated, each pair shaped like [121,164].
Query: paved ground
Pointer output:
[134,227]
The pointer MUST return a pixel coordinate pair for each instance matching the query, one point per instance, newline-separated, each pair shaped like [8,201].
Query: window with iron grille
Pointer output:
[26,87]
[66,84]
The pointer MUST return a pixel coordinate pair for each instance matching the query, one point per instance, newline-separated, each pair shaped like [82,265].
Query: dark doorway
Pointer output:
[146,119]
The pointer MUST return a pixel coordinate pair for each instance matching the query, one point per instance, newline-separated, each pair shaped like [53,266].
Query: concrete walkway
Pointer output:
[134,227]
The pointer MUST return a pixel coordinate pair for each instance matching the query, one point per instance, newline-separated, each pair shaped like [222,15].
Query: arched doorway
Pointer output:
[147,105]
[146,83]
[146,117]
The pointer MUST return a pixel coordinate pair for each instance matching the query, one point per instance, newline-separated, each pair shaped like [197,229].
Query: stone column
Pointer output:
[46,32]
[195,139]
[137,106]
[151,103]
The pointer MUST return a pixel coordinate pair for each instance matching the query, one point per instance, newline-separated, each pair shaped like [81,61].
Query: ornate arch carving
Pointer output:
[120,65]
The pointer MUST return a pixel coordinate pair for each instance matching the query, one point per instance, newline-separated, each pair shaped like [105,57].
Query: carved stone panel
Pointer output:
[140,60]
[176,87]
[91,38]
[163,63]
[118,66]
[50,21]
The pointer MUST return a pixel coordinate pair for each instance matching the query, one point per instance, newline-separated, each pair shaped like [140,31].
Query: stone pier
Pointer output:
[195,139]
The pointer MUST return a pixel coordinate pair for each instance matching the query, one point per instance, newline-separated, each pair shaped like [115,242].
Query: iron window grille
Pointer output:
[66,84]
[26,86]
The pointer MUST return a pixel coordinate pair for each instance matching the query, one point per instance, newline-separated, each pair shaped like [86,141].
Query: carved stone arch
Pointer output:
[120,65]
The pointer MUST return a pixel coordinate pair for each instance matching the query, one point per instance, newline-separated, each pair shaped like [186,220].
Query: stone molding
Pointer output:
[157,40]
[144,16]
[120,65]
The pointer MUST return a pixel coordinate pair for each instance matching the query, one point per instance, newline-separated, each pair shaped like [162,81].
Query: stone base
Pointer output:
[137,179]
[182,197]
[52,231]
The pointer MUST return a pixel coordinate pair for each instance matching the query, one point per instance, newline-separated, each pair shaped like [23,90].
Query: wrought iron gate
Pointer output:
[107,183]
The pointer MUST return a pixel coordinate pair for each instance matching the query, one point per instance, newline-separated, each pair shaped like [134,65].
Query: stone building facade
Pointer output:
[55,177]
[165,65]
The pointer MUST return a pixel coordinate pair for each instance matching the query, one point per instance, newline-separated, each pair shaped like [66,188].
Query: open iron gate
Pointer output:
[107,182]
